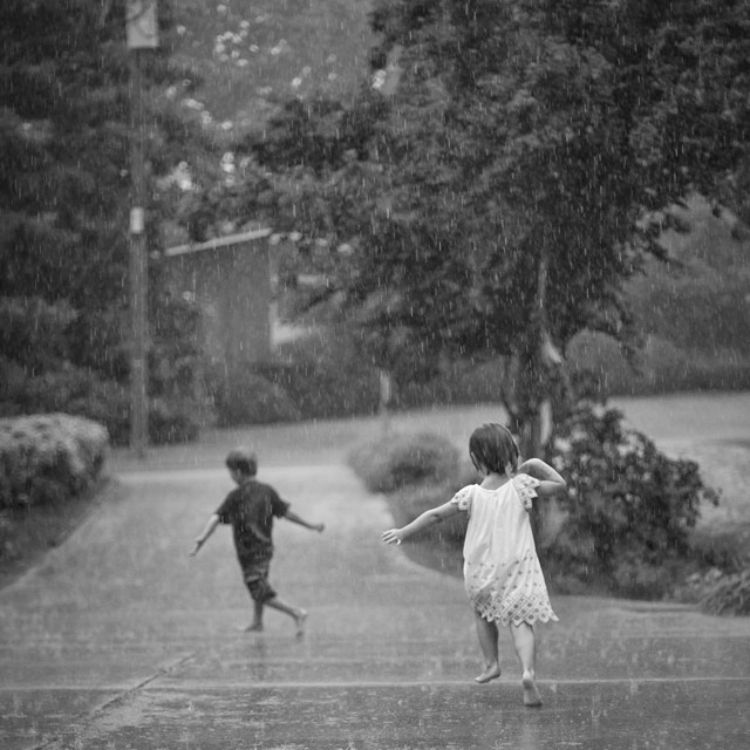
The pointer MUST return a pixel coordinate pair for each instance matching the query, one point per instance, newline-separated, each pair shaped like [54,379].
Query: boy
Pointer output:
[250,509]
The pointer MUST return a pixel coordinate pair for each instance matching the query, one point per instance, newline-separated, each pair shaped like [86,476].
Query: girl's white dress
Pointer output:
[502,575]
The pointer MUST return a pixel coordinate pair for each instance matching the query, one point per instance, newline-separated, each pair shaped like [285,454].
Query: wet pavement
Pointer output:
[119,640]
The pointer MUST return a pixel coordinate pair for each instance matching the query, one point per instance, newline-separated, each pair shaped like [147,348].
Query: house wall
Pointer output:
[232,286]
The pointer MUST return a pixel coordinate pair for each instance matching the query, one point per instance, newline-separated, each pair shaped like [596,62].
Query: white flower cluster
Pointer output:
[236,48]
[197,106]
[378,79]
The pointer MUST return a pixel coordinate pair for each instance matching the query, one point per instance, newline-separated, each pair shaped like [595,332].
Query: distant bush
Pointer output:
[697,299]
[70,390]
[730,595]
[325,376]
[397,461]
[319,375]
[48,458]
[39,376]
[417,472]
[171,422]
[629,511]
[252,399]
[32,332]
[460,382]
[660,367]
[81,393]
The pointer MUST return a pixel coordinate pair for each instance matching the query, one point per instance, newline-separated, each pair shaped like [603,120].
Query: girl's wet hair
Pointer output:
[494,447]
[242,460]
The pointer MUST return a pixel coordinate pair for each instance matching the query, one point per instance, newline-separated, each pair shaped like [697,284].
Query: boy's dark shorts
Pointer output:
[256,580]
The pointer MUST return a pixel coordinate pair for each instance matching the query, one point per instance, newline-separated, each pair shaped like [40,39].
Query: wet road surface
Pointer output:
[119,640]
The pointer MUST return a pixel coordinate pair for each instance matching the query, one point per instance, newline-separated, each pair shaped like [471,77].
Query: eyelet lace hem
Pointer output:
[529,612]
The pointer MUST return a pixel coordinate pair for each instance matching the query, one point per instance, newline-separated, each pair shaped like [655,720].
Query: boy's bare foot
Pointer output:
[531,697]
[491,673]
[299,621]
[254,627]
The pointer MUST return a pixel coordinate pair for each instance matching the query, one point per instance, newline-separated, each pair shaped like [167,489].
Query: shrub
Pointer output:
[38,376]
[70,390]
[81,393]
[418,472]
[252,400]
[172,421]
[46,458]
[32,331]
[396,461]
[662,367]
[630,509]
[729,595]
[459,382]
[325,376]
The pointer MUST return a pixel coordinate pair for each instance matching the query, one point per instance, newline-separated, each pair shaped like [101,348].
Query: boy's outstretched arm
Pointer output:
[213,522]
[294,518]
[551,481]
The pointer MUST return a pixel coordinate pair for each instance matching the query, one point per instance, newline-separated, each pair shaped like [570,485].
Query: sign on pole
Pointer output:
[142,24]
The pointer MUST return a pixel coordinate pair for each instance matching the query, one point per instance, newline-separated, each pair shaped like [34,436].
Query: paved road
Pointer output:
[118,640]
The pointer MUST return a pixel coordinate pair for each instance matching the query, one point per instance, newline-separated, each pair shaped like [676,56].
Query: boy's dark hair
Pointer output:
[493,446]
[242,460]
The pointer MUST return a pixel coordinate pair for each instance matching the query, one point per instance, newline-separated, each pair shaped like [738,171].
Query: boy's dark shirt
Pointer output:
[250,509]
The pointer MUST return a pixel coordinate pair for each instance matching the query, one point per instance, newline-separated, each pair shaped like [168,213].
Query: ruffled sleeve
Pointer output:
[526,487]
[463,498]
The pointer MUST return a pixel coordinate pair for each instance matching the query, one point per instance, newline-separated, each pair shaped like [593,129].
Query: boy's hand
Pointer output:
[392,536]
[198,545]
[319,527]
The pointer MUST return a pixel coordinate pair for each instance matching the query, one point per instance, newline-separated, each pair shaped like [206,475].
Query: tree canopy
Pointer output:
[65,184]
[65,141]
[497,197]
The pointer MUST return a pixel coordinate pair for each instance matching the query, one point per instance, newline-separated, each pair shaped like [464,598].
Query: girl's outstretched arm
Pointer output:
[551,481]
[428,518]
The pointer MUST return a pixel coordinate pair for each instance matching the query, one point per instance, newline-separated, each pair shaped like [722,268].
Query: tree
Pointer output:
[64,140]
[65,167]
[520,172]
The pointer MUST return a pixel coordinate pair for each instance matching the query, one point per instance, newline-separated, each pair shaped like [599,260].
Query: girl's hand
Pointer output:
[392,536]
[319,527]
[550,482]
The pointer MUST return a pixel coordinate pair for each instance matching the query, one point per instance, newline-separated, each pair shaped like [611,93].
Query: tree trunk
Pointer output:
[535,380]
[522,395]
[385,379]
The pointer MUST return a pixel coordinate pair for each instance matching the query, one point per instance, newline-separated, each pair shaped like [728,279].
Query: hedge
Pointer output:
[48,458]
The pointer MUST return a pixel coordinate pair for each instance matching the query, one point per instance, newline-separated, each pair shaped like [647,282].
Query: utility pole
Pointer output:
[142,35]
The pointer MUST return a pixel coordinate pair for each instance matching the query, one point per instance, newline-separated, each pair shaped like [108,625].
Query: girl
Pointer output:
[502,575]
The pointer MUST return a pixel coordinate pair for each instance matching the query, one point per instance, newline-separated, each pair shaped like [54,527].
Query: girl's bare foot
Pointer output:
[254,627]
[491,673]
[531,697]
[299,621]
